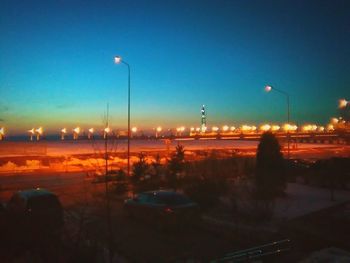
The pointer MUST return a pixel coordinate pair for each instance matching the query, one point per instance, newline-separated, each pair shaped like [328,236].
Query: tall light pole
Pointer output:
[118,60]
[269,88]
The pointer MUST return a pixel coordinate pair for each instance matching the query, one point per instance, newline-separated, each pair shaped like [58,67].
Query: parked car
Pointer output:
[163,208]
[33,213]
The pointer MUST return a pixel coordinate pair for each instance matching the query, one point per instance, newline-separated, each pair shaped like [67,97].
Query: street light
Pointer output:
[31,133]
[118,60]
[2,133]
[39,132]
[76,132]
[269,88]
[63,133]
[343,103]
[158,130]
[91,133]
[106,131]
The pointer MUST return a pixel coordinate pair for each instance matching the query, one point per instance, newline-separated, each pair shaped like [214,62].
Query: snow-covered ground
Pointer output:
[304,199]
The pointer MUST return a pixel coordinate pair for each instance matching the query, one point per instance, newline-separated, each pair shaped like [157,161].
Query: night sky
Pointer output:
[57,68]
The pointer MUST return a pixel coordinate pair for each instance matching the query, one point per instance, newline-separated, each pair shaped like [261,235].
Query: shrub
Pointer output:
[121,184]
[205,191]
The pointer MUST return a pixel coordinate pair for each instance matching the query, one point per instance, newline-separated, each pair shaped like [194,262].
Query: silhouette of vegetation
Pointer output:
[121,183]
[140,169]
[206,191]
[157,166]
[270,178]
[332,173]
[205,181]
[176,167]
[146,177]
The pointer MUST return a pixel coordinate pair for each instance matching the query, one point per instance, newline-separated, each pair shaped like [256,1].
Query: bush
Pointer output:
[121,183]
[205,191]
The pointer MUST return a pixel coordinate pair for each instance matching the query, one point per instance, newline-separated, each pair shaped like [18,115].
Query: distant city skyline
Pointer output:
[57,68]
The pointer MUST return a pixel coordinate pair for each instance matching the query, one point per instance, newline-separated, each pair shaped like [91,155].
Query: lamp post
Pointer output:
[269,88]
[118,60]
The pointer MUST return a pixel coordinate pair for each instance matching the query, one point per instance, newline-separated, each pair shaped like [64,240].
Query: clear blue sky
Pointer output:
[56,61]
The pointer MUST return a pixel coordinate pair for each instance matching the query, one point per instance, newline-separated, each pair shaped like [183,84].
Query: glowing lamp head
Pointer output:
[268,88]
[159,129]
[76,130]
[330,127]
[343,103]
[64,130]
[287,127]
[246,128]
[307,128]
[39,130]
[225,128]
[91,130]
[265,127]
[232,128]
[334,120]
[192,129]
[107,130]
[275,127]
[117,59]
[134,129]
[31,131]
[215,129]
[2,131]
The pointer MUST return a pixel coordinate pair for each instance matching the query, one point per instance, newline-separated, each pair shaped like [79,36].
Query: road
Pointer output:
[80,147]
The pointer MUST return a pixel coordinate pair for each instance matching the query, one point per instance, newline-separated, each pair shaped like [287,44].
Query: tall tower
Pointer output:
[203,119]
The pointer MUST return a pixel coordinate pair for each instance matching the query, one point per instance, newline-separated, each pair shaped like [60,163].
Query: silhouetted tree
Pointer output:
[120,184]
[270,178]
[175,166]
[205,190]
[140,168]
[157,165]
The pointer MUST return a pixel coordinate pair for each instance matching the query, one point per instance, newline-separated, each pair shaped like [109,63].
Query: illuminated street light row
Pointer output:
[225,129]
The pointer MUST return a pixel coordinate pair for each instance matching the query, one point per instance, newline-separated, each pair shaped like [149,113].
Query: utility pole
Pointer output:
[108,208]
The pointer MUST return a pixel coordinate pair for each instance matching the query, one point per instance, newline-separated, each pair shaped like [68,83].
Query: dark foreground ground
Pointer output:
[85,235]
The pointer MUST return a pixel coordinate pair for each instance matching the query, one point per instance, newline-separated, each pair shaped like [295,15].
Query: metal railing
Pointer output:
[255,253]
